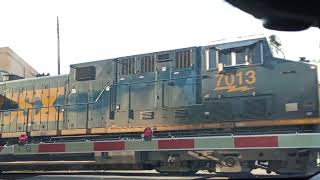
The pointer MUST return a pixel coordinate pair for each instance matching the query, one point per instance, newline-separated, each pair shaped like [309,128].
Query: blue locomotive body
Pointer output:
[230,85]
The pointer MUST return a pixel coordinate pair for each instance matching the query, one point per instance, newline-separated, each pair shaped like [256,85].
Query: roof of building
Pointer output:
[18,60]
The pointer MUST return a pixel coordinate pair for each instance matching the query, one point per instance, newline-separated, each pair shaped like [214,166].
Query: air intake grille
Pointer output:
[146,115]
[183,59]
[180,113]
[127,66]
[147,64]
[85,73]
[163,57]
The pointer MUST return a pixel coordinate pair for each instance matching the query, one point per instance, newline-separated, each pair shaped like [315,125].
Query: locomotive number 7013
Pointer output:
[240,78]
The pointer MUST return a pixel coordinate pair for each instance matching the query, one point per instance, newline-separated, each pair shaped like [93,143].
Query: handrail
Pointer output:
[27,130]
[161,80]
[92,102]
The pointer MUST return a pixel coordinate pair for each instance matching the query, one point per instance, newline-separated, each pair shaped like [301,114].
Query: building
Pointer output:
[14,67]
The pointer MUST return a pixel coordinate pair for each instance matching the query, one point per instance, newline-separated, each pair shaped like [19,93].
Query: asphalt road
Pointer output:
[121,175]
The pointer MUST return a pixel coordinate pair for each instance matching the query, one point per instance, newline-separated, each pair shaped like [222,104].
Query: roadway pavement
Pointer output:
[122,175]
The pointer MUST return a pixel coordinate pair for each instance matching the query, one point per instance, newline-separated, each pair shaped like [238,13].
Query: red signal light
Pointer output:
[23,138]
[147,134]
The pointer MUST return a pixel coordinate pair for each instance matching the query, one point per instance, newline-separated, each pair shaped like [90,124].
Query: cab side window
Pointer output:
[242,56]
[256,53]
[211,57]
[234,57]
[238,56]
[226,58]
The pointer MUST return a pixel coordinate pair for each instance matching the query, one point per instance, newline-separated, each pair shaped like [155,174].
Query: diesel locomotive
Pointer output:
[228,87]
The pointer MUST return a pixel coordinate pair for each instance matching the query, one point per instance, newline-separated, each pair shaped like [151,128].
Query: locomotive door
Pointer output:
[99,109]
[163,88]
[163,75]
[126,69]
[77,105]
[100,98]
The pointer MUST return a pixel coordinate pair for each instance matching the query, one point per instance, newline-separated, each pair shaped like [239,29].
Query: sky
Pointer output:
[101,29]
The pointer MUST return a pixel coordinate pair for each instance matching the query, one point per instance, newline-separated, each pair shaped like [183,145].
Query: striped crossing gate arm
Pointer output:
[5,150]
[307,140]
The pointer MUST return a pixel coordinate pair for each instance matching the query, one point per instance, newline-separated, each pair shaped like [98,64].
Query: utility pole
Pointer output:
[58,36]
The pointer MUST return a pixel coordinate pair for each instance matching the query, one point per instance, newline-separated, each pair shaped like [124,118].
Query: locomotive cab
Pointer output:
[248,83]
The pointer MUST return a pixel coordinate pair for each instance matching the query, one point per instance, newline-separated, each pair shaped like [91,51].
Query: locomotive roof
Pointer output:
[221,46]
[34,78]
[123,57]
[238,44]
[224,45]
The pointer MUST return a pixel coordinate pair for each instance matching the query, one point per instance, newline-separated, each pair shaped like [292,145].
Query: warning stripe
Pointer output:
[260,141]
[176,143]
[51,148]
[109,146]
[307,140]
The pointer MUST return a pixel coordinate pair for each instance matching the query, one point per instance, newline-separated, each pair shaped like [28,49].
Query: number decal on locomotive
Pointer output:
[236,82]
[251,77]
